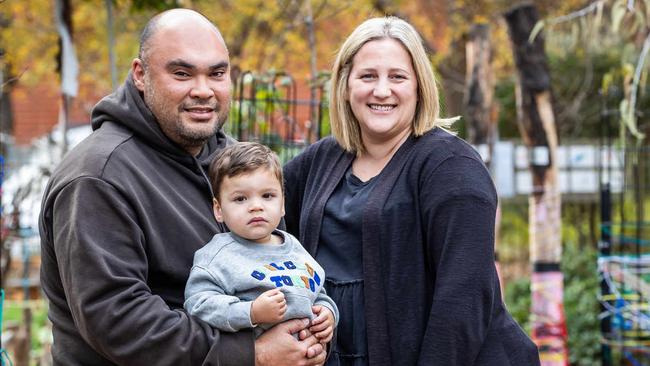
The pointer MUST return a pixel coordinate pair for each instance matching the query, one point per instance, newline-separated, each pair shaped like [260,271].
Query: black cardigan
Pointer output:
[432,294]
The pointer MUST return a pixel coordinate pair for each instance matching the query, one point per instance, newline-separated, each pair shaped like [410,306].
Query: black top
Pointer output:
[431,291]
[340,250]
[339,253]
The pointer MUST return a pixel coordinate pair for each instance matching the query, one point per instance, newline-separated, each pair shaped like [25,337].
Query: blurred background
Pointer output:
[552,93]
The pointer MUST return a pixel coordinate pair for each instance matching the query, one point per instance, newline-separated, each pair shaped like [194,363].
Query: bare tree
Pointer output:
[479,87]
[536,122]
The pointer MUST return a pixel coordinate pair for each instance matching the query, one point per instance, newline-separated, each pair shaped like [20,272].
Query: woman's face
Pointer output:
[382,90]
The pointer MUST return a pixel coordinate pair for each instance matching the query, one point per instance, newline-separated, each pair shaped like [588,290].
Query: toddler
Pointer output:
[255,275]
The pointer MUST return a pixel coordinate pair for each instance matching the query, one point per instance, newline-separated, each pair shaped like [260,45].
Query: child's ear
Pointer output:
[216,208]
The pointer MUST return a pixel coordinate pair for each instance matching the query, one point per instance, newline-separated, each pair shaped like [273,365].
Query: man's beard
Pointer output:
[200,137]
[172,123]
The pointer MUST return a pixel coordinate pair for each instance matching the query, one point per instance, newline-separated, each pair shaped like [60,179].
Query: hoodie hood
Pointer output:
[126,107]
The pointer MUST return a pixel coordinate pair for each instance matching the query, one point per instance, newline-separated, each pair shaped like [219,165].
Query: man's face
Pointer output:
[186,83]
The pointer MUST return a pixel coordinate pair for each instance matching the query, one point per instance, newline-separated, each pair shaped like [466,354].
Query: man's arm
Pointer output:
[103,262]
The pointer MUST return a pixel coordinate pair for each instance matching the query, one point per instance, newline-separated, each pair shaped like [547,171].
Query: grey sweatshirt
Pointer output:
[230,272]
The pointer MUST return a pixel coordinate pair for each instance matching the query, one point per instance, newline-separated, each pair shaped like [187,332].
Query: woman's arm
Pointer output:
[459,211]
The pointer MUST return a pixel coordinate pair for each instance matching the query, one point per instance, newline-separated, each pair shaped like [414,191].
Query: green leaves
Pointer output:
[159,5]
[617,13]
[581,288]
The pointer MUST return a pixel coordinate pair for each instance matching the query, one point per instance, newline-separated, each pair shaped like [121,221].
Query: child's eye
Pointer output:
[239,199]
[268,195]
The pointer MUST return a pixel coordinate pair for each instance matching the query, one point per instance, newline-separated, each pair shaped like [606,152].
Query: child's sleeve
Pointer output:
[324,300]
[206,299]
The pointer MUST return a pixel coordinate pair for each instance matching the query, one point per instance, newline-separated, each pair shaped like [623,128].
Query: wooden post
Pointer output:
[479,87]
[313,74]
[481,121]
[536,122]
[67,66]
[111,42]
[19,345]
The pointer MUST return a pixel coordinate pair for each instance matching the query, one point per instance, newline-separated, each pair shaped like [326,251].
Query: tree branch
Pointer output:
[578,13]
[15,78]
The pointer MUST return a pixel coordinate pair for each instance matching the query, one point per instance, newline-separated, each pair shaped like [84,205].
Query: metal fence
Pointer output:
[276,110]
[624,260]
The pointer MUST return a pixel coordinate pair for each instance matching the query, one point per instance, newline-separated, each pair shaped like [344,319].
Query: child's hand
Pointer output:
[269,307]
[323,325]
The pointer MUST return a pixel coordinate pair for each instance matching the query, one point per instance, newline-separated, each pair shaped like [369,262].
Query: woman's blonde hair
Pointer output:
[345,126]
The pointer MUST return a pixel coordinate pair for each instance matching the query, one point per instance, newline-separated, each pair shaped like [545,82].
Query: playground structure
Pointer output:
[624,251]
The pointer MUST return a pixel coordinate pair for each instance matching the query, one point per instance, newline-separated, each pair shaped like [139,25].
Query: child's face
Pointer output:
[251,204]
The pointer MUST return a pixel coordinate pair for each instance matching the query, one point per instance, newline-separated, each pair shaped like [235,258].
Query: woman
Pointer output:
[400,213]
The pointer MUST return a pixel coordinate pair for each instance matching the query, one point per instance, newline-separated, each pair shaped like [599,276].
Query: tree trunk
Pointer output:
[536,122]
[6,118]
[479,90]
[66,18]
[6,130]
[64,12]
[479,106]
[20,344]
[111,43]
[313,73]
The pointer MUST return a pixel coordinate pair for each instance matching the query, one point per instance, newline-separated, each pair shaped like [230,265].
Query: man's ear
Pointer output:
[137,71]
[216,209]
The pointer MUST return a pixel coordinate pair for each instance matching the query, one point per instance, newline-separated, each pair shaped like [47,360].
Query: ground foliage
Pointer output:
[581,288]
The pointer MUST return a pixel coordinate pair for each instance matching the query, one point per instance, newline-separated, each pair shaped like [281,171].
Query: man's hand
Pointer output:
[278,347]
[269,307]
[323,325]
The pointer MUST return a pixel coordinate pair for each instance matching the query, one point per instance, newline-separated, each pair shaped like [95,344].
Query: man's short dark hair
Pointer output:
[147,32]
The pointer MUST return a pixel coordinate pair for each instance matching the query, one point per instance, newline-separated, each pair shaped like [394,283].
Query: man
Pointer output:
[126,209]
